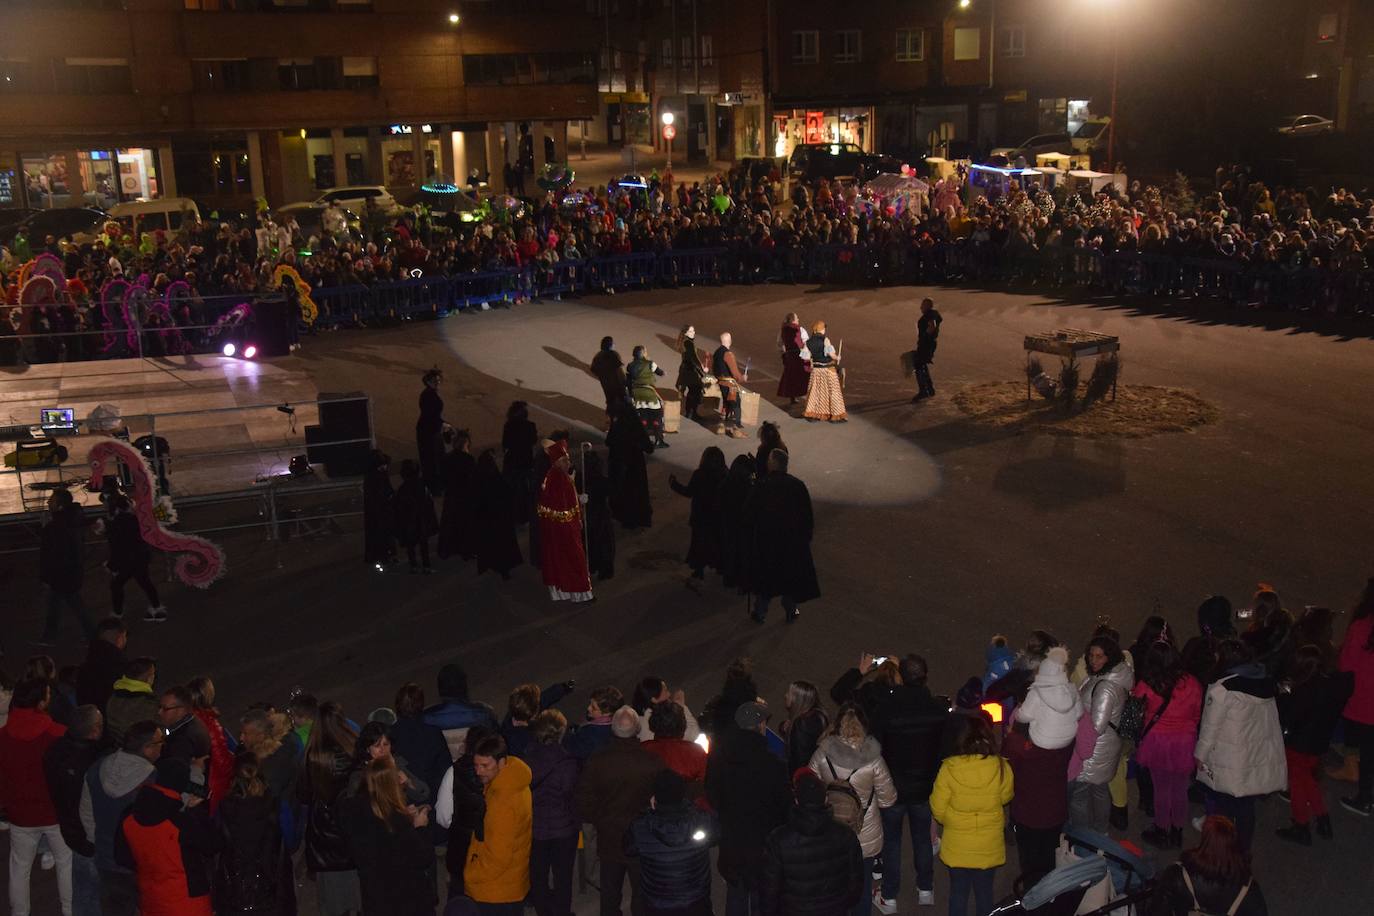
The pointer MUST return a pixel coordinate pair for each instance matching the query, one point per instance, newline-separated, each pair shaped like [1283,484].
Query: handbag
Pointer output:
[1133,726]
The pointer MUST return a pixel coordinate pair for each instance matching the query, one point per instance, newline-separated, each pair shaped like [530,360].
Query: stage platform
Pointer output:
[204,406]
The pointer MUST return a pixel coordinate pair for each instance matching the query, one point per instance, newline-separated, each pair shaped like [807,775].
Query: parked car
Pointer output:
[810,161]
[1305,126]
[1040,143]
[310,217]
[355,198]
[13,216]
[166,213]
[631,182]
[81,224]
[1090,135]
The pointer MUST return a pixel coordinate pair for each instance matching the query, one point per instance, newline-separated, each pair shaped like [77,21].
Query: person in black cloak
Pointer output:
[458,521]
[537,475]
[497,547]
[600,529]
[429,428]
[627,444]
[734,522]
[781,525]
[415,521]
[705,520]
[519,438]
[379,512]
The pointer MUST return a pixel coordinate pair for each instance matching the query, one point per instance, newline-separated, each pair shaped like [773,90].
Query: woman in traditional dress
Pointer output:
[639,376]
[795,359]
[824,400]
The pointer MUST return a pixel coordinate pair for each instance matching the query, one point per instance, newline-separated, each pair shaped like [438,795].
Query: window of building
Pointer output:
[968,43]
[93,75]
[207,168]
[301,74]
[220,75]
[1013,41]
[360,73]
[911,45]
[550,68]
[667,54]
[708,54]
[848,46]
[687,50]
[806,47]
[1327,26]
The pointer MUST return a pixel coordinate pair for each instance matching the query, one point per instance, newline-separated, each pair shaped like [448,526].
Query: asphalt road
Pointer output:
[932,534]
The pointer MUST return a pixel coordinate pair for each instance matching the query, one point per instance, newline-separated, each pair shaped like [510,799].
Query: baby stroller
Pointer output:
[1097,877]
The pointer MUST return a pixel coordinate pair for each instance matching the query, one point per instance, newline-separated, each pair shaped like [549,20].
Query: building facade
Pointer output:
[231,101]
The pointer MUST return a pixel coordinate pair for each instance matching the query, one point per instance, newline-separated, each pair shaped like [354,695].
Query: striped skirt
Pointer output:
[824,398]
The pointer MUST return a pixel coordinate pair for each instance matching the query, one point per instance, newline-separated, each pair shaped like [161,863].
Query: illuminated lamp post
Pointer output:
[669,132]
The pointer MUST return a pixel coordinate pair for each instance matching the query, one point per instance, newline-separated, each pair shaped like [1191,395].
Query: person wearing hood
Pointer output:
[168,846]
[970,792]
[747,785]
[1109,681]
[1240,753]
[64,767]
[813,864]
[1173,706]
[497,873]
[108,792]
[852,756]
[25,797]
[454,714]
[1052,707]
[672,842]
[131,700]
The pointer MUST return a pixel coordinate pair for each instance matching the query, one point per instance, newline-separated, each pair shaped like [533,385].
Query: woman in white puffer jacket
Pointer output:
[1110,681]
[1052,707]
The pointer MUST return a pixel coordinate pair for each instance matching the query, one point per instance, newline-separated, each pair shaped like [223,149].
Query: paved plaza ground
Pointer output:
[933,533]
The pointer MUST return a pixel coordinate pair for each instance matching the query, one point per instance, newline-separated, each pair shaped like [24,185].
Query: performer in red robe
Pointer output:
[562,554]
[795,367]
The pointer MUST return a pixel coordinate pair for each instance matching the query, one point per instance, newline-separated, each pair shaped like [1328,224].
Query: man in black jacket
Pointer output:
[909,724]
[61,564]
[672,841]
[927,334]
[813,865]
[748,787]
[105,663]
[781,522]
[65,765]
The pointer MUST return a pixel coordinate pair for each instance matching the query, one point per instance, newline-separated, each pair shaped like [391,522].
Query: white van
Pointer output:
[167,213]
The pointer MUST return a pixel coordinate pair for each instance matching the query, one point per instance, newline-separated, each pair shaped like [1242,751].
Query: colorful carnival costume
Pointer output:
[563,557]
[824,399]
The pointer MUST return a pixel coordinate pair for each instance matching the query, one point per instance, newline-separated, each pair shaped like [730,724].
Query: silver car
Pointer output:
[1305,126]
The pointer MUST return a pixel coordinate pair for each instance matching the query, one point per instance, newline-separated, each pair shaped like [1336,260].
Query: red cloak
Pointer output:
[795,379]
[562,555]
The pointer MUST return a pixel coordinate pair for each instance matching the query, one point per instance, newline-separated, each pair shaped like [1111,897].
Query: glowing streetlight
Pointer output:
[454,19]
[667,119]
[964,4]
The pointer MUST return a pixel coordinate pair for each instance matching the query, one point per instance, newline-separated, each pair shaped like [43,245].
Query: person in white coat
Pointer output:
[1240,742]
[1109,683]
[1052,707]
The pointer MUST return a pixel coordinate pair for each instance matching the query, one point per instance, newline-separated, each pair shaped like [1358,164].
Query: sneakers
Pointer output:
[1324,827]
[882,904]
[46,861]
[155,615]
[925,898]
[1355,806]
[1296,833]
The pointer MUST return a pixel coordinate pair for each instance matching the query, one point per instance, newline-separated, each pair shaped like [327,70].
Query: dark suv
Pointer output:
[828,160]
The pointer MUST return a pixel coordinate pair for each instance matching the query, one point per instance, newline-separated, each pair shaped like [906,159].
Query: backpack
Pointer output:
[1197,909]
[844,802]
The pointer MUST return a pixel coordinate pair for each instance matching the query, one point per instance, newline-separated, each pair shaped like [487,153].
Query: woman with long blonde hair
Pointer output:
[824,397]
[394,854]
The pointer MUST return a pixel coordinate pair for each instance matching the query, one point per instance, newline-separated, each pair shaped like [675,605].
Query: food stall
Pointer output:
[904,193]
[994,181]
[1086,181]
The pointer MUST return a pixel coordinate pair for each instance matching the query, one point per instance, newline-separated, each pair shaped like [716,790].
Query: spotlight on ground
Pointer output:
[250,351]
[228,349]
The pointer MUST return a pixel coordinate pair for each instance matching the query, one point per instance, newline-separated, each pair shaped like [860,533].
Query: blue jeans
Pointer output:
[865,905]
[742,898]
[964,880]
[923,857]
[85,886]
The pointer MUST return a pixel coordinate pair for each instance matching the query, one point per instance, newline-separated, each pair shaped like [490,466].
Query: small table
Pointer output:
[1070,344]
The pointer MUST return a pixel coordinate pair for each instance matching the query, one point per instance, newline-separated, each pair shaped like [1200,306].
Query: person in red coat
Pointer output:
[796,365]
[685,758]
[24,793]
[168,846]
[563,557]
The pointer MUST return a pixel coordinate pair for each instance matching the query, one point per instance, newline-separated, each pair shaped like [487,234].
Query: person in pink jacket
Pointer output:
[1173,708]
[1357,656]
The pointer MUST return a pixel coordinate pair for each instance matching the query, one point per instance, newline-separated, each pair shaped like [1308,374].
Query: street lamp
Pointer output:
[669,132]
[454,19]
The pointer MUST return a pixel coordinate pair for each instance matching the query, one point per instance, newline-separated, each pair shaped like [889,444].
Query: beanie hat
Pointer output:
[1054,662]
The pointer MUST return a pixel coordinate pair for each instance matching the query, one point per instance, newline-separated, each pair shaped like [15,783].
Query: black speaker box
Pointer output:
[347,460]
[345,419]
[270,330]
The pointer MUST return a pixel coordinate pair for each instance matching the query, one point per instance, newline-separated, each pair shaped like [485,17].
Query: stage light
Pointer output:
[228,349]
[250,351]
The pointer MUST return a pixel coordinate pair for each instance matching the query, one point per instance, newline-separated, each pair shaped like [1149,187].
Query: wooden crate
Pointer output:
[749,408]
[672,410]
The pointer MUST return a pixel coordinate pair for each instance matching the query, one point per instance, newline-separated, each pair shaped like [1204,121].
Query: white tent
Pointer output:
[1096,181]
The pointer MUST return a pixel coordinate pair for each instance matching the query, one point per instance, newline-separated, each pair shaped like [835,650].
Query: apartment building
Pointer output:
[230,101]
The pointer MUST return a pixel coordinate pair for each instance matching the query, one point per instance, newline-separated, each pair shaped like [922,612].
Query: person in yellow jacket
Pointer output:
[970,793]
[497,873]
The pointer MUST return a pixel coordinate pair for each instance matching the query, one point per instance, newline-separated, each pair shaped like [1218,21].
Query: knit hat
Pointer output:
[1053,665]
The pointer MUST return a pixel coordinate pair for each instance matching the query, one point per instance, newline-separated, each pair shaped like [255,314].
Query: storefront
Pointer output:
[826,125]
[739,126]
[398,155]
[87,177]
[627,118]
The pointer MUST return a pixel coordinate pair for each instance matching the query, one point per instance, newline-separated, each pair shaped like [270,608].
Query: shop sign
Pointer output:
[635,98]
[815,127]
[399,129]
[733,98]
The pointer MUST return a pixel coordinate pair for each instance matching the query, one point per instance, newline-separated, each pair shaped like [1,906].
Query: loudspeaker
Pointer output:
[348,419]
[348,460]
[269,331]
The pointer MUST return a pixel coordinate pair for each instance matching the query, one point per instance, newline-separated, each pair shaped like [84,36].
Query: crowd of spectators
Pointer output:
[143,796]
[1290,247]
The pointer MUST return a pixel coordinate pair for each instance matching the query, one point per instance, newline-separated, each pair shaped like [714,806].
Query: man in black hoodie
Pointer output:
[65,765]
[105,663]
[672,841]
[747,786]
[61,564]
[909,723]
[813,865]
